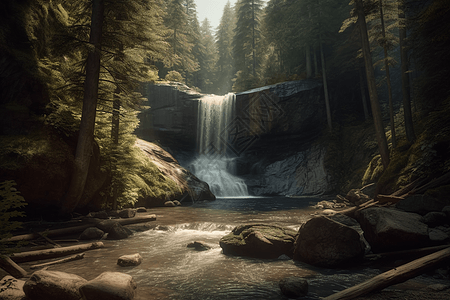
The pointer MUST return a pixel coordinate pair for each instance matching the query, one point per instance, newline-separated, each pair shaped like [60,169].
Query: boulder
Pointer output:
[420,204]
[114,229]
[176,202]
[11,288]
[109,286]
[437,236]
[326,243]
[98,214]
[390,229]
[91,233]
[259,240]
[141,209]
[169,204]
[294,287]
[199,246]
[434,218]
[343,219]
[130,260]
[53,285]
[127,213]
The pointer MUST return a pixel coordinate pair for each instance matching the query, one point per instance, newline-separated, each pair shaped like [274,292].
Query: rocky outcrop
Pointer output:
[191,188]
[53,285]
[259,240]
[11,288]
[325,243]
[390,229]
[109,286]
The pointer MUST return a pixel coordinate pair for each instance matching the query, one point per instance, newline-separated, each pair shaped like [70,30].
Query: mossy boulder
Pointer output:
[259,241]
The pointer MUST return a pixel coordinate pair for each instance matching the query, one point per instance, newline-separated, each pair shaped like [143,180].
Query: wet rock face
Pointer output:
[259,241]
[326,243]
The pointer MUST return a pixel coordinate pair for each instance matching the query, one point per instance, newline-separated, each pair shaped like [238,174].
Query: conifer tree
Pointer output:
[224,40]
[208,61]
[246,41]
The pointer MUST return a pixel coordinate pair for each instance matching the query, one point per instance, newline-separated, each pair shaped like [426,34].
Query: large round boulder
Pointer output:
[294,287]
[109,286]
[326,243]
[53,285]
[391,229]
[259,240]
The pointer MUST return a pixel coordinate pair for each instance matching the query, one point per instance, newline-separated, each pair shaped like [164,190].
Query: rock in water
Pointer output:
[130,260]
[199,246]
[109,286]
[127,213]
[53,285]
[11,288]
[259,240]
[294,287]
[325,243]
[91,233]
[114,229]
[390,229]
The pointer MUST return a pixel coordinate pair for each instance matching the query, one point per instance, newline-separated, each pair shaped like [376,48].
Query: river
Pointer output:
[170,270]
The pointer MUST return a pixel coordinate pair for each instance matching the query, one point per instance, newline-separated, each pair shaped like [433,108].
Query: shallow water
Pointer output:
[170,270]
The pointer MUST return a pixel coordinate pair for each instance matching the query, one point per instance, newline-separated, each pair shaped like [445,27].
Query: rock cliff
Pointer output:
[273,137]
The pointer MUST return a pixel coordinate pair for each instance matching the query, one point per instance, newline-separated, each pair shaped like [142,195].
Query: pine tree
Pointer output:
[224,40]
[246,41]
[209,59]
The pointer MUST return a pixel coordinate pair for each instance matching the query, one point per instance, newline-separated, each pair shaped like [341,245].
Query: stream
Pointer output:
[170,270]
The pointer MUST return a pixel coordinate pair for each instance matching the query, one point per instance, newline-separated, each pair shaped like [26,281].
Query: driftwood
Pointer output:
[408,188]
[60,261]
[54,252]
[394,276]
[56,245]
[11,267]
[419,251]
[78,229]
[442,180]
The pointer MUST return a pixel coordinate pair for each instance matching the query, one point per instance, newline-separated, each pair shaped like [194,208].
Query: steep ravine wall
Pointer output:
[274,136]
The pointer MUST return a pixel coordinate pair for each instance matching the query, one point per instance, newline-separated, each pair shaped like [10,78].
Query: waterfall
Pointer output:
[214,163]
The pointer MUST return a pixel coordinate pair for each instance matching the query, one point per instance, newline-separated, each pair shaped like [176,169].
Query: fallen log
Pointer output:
[60,261]
[54,252]
[442,180]
[394,276]
[44,236]
[78,229]
[11,267]
[382,199]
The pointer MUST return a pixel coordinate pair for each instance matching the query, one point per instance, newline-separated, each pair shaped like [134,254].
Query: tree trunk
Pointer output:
[253,40]
[60,261]
[388,77]
[316,66]
[11,267]
[371,83]
[363,95]
[54,253]
[409,126]
[308,61]
[394,276]
[86,134]
[325,86]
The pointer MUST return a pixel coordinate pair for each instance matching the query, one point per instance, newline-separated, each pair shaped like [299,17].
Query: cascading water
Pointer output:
[214,164]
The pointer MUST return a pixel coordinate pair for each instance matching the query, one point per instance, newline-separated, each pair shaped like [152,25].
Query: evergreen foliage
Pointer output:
[225,59]
[10,204]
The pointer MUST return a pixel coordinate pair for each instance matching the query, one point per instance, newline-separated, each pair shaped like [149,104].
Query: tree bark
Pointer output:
[54,253]
[363,95]
[388,77]
[409,125]
[375,104]
[394,276]
[308,61]
[86,134]
[325,87]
